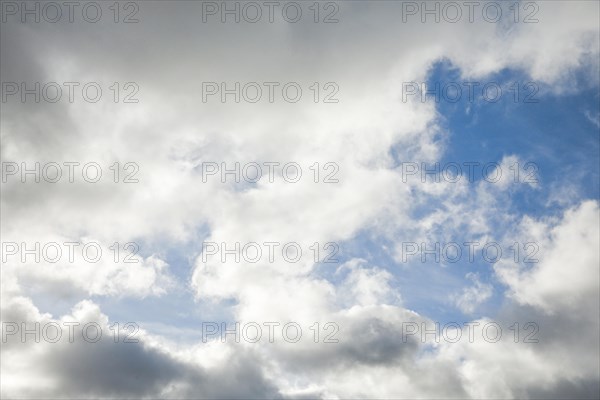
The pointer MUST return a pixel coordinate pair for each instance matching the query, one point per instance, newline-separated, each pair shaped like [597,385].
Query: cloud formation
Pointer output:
[171,133]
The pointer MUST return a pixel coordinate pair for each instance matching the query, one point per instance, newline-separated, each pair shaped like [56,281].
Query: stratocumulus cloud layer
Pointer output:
[351,199]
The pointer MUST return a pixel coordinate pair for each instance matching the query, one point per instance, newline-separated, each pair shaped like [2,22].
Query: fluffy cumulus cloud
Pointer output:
[565,279]
[324,288]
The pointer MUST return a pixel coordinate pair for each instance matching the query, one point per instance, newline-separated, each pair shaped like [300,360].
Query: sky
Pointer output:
[300,200]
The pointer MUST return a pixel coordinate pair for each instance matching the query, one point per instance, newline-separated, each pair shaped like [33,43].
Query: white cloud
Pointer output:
[171,132]
[471,297]
[566,277]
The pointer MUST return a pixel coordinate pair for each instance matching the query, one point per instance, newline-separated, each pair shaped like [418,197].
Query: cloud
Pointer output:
[171,132]
[471,297]
[565,277]
[86,368]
